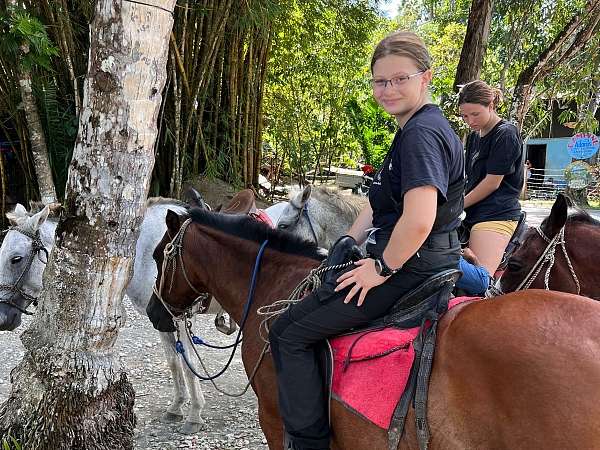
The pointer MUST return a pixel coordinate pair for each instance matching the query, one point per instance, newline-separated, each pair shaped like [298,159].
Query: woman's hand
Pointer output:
[364,277]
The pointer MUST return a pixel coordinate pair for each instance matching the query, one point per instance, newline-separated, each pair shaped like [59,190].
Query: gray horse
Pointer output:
[23,257]
[320,214]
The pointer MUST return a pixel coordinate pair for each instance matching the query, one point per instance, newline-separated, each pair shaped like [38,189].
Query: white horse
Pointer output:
[23,257]
[320,214]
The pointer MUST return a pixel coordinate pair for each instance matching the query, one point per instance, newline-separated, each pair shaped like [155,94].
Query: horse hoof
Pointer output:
[169,417]
[192,427]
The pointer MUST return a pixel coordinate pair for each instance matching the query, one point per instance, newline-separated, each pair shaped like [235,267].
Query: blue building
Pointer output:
[548,154]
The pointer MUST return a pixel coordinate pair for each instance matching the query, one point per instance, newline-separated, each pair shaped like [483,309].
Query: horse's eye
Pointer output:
[514,265]
[16,259]
[282,226]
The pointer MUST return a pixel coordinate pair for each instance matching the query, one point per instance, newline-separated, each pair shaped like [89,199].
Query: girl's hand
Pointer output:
[364,277]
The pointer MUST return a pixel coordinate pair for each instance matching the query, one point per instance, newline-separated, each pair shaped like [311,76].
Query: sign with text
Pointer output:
[583,145]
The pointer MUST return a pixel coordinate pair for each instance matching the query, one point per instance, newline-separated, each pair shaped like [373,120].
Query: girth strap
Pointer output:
[418,382]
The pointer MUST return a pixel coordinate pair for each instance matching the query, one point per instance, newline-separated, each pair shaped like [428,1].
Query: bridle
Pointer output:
[37,247]
[304,212]
[548,257]
[172,253]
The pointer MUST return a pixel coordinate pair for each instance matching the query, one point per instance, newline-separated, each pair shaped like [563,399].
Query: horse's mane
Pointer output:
[247,228]
[350,205]
[581,215]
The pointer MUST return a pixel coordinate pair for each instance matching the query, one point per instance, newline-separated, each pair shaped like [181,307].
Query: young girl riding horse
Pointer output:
[494,170]
[409,226]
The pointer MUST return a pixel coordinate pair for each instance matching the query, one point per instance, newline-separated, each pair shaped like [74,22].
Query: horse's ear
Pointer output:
[558,216]
[37,220]
[173,221]
[306,194]
[195,198]
[17,215]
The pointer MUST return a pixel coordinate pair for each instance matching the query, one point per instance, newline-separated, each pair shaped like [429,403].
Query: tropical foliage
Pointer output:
[284,85]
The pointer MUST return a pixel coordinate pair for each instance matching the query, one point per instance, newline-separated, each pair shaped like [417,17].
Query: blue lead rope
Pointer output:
[198,341]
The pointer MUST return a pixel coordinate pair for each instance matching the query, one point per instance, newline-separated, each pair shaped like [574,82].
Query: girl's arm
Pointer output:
[413,227]
[363,222]
[488,185]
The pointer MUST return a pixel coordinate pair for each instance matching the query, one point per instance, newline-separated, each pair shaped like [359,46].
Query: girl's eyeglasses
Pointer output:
[395,82]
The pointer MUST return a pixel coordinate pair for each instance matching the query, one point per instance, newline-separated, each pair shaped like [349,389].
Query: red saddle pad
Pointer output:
[371,369]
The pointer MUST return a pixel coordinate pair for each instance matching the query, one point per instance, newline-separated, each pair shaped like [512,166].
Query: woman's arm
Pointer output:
[488,185]
[411,230]
[413,227]
[363,222]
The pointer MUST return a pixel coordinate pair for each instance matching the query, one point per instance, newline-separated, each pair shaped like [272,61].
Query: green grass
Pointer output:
[10,443]
[594,204]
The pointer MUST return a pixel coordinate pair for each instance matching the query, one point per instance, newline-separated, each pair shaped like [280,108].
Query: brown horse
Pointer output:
[561,254]
[518,372]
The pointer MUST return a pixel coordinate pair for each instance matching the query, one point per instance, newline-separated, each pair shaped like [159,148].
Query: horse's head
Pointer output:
[296,218]
[23,258]
[521,267]
[174,288]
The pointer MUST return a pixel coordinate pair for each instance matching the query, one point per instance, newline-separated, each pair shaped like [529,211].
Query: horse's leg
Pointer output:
[272,428]
[193,422]
[174,413]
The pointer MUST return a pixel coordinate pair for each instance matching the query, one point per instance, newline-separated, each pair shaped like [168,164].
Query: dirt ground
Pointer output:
[231,423]
[217,192]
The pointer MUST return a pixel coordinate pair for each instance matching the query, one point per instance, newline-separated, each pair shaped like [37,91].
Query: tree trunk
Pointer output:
[69,391]
[39,150]
[475,44]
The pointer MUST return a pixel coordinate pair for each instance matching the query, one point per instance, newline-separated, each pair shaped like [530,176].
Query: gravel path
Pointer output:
[231,423]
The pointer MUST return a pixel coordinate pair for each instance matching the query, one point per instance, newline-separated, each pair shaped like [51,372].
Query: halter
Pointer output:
[37,246]
[548,256]
[304,212]
[173,253]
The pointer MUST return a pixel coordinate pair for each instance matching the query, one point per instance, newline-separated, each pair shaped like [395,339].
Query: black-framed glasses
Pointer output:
[395,82]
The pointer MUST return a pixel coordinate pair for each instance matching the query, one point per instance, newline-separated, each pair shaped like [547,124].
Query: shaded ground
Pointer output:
[217,192]
[230,423]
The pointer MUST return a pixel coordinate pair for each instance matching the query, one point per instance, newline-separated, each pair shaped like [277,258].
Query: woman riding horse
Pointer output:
[410,229]
[494,170]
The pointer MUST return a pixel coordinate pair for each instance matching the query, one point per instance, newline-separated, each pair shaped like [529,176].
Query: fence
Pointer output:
[545,184]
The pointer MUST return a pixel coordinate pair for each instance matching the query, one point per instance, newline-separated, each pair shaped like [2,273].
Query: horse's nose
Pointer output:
[10,318]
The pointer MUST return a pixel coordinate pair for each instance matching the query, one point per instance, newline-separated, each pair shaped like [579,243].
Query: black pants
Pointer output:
[296,334]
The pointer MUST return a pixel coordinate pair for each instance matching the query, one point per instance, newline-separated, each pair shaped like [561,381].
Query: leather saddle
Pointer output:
[242,203]
[431,295]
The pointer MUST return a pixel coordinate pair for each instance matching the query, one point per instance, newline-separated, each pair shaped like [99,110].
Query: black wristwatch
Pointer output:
[383,269]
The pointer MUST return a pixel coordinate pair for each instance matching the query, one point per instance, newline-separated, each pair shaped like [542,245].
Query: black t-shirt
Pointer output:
[426,152]
[500,152]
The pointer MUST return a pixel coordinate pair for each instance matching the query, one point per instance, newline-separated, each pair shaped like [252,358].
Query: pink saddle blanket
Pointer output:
[371,369]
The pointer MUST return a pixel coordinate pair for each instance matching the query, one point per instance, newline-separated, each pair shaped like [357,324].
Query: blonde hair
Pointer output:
[403,43]
[481,93]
